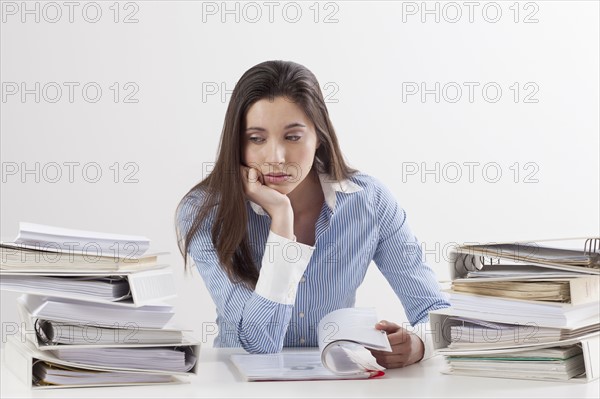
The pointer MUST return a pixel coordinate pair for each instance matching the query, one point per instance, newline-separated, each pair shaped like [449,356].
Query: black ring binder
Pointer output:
[482,259]
[40,327]
[592,246]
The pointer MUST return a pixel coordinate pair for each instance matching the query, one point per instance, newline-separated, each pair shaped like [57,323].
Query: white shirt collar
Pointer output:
[329,185]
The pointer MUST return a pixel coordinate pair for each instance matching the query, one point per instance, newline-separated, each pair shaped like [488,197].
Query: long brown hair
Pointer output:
[268,79]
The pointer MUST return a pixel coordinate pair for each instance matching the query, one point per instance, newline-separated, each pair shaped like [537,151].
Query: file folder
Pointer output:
[578,255]
[590,345]
[20,356]
[144,287]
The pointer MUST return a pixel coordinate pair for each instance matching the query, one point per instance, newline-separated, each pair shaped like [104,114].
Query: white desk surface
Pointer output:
[218,378]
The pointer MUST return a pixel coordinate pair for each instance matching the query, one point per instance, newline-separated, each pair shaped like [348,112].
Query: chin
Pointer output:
[283,190]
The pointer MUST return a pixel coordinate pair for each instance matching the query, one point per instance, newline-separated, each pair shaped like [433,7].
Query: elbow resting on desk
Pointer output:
[261,344]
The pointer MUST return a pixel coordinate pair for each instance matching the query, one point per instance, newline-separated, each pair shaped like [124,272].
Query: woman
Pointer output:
[282,230]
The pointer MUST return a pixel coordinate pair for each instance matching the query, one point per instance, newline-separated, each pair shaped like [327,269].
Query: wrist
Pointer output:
[418,347]
[281,209]
[282,222]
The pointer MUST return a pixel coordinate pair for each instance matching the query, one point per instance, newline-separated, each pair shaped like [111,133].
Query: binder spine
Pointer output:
[591,357]
[152,286]
[17,360]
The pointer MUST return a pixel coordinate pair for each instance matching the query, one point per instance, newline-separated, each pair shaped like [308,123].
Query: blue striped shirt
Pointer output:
[360,221]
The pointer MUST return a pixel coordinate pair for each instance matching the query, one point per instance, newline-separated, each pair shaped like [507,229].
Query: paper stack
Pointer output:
[92,313]
[526,310]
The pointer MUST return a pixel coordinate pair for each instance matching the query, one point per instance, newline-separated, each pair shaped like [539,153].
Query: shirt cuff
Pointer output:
[283,265]
[422,330]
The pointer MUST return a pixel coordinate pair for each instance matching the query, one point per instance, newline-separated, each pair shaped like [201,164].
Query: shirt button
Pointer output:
[303,279]
[302,340]
[301,314]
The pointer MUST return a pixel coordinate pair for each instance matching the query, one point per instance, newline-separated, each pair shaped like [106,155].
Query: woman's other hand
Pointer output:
[407,348]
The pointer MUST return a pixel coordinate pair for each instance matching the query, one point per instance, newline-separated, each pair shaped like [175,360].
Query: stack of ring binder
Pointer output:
[92,320]
[526,310]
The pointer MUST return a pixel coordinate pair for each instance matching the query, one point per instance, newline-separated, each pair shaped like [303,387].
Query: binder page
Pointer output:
[98,314]
[118,245]
[352,324]
[287,366]
[55,374]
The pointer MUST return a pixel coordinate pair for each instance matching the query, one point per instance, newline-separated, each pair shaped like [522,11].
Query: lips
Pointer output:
[276,178]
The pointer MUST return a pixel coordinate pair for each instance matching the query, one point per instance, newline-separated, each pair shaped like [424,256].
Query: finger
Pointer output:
[386,362]
[397,349]
[252,175]
[244,172]
[395,365]
[260,177]
[400,337]
[387,326]
[392,361]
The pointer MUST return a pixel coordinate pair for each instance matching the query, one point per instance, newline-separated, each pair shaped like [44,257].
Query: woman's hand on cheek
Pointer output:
[407,348]
[269,199]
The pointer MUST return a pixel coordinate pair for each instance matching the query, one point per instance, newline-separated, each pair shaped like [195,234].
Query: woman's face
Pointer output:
[280,141]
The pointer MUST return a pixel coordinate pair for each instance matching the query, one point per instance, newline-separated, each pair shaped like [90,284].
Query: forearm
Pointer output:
[263,326]
[282,222]
[267,313]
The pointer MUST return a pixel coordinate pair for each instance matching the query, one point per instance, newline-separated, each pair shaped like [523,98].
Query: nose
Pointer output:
[275,154]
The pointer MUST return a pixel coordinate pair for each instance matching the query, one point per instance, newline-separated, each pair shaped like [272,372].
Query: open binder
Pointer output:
[25,361]
[342,354]
[133,289]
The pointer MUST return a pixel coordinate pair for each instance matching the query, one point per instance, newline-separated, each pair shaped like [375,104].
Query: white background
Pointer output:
[365,58]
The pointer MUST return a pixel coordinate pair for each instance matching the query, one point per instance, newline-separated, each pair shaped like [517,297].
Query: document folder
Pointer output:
[22,357]
[140,288]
